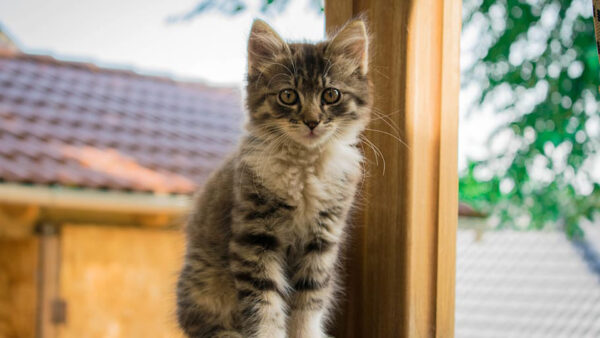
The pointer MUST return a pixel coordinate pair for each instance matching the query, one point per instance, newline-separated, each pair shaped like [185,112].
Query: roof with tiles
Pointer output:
[527,284]
[75,124]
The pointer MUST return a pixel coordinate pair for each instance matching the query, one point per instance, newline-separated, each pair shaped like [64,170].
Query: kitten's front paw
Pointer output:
[306,325]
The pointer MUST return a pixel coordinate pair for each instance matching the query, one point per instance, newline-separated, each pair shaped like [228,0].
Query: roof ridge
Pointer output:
[92,67]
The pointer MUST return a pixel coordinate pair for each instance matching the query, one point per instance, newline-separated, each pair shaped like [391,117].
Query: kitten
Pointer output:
[264,239]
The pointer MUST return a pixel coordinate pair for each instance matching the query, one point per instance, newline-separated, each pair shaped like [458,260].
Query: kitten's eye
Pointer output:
[331,96]
[288,96]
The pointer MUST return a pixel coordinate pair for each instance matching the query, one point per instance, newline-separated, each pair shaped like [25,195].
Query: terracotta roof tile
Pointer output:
[79,125]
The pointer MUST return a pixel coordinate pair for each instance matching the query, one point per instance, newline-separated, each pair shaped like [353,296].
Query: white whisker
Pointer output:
[389,134]
[376,151]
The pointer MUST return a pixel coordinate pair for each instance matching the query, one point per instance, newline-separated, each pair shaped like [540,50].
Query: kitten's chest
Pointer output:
[316,187]
[308,191]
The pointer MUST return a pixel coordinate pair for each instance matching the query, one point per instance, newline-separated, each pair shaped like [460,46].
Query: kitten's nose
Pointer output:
[312,124]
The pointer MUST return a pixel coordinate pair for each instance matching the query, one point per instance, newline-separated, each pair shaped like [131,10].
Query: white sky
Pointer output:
[135,34]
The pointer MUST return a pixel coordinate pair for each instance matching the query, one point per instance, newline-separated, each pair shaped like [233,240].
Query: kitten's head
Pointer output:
[308,93]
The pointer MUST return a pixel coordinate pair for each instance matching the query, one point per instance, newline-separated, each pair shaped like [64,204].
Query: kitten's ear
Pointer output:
[264,45]
[352,43]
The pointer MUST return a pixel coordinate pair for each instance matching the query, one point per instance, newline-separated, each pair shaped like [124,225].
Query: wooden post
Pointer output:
[401,261]
[48,292]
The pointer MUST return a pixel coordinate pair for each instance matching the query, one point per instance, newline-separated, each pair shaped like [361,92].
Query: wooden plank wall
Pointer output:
[119,281]
[401,267]
[18,287]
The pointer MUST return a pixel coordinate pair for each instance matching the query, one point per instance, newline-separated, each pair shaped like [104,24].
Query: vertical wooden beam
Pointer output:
[49,280]
[448,183]
[401,272]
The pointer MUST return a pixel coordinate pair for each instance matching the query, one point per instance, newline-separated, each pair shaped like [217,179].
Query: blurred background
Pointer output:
[113,112]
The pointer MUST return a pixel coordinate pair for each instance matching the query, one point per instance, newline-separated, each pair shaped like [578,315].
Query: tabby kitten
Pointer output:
[263,242]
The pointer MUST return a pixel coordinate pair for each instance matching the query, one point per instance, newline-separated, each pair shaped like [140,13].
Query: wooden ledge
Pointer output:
[94,200]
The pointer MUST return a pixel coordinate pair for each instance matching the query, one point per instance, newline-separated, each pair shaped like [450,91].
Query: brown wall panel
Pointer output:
[119,282]
[18,287]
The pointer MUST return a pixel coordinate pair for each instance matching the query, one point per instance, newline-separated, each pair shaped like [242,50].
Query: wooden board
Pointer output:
[119,282]
[401,271]
[18,287]
[48,287]
[448,170]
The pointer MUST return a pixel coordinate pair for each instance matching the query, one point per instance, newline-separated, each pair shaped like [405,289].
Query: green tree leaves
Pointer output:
[547,176]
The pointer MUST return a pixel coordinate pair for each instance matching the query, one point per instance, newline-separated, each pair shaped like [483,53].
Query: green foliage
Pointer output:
[542,55]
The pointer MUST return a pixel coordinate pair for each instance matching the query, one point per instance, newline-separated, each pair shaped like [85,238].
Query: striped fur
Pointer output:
[264,239]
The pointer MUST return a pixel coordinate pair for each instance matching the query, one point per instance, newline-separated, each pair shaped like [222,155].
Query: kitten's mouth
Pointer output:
[310,138]
[312,135]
